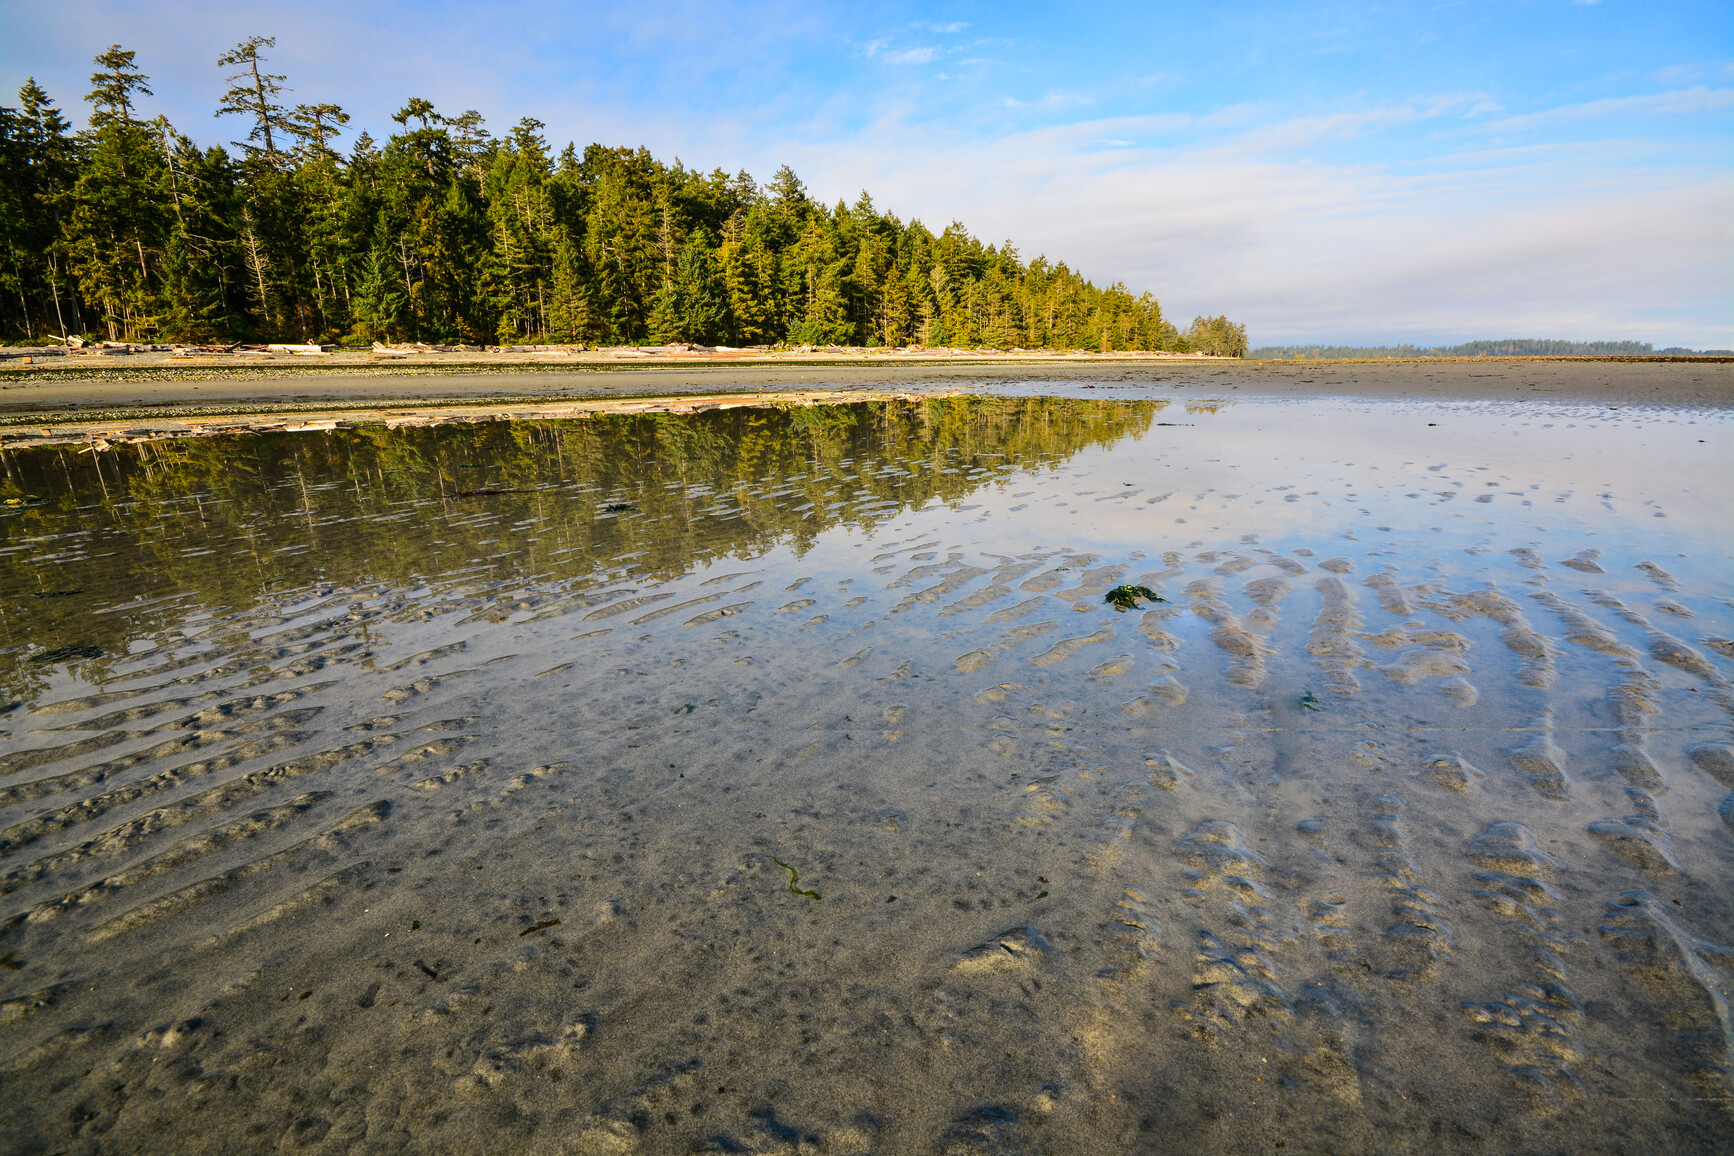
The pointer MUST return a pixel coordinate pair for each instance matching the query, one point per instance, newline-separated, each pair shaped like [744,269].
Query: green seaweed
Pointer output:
[1310,701]
[58,593]
[1124,598]
[794,877]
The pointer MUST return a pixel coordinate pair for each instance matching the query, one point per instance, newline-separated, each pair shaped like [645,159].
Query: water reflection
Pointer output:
[108,551]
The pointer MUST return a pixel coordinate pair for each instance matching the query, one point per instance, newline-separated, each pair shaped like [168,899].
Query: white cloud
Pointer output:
[1541,242]
[912,56]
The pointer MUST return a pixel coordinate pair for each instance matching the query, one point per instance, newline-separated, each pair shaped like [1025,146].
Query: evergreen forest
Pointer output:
[129,230]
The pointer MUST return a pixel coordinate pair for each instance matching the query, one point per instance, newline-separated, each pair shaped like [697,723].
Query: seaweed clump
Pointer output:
[1124,598]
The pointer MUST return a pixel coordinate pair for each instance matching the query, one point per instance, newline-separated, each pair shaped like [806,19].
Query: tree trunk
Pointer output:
[264,116]
[54,288]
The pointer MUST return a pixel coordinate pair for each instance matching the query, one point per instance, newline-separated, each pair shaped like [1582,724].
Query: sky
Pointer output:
[1328,172]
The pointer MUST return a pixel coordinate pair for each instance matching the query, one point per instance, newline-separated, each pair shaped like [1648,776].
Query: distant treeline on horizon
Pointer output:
[443,232]
[1510,347]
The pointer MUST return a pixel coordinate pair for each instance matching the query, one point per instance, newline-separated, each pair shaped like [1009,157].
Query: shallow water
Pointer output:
[780,780]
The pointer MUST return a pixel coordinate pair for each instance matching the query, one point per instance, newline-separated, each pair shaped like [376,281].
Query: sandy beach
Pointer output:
[1144,758]
[109,399]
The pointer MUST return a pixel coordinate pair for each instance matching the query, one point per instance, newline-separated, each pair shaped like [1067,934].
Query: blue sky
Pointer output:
[1340,172]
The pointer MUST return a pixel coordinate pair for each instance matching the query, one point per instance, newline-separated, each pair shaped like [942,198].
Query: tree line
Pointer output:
[444,232]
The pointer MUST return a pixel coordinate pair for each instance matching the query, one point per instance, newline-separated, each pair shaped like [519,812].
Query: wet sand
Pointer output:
[782,780]
[61,394]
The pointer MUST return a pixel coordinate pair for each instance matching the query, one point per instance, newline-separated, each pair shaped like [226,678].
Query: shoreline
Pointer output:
[49,406]
[321,419]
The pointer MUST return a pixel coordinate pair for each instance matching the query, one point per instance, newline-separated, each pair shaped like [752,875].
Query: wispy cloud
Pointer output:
[1686,100]
[1055,98]
[912,56]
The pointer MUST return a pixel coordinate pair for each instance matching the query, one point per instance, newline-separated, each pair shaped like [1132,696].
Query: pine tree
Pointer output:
[749,273]
[693,303]
[316,126]
[254,94]
[1217,336]
[205,301]
[893,318]
[117,219]
[38,164]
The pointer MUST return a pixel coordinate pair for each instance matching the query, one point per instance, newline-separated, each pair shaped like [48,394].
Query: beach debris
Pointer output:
[618,507]
[539,925]
[1309,701]
[1124,598]
[794,877]
[58,593]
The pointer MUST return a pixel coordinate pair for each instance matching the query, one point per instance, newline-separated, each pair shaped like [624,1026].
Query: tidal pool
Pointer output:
[784,780]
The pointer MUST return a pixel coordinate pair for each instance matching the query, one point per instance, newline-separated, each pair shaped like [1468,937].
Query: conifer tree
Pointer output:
[254,94]
[693,303]
[116,223]
[38,164]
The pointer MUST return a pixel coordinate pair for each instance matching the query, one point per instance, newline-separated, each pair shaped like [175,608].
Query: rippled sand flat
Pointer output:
[784,780]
